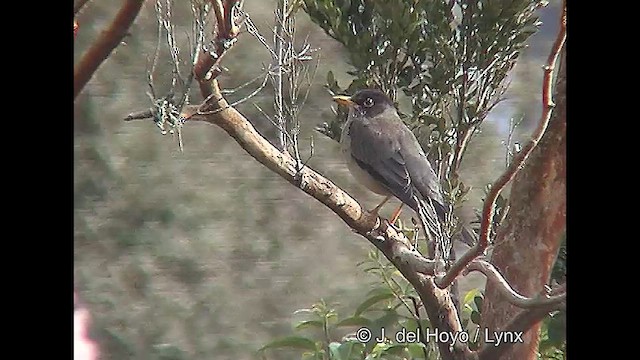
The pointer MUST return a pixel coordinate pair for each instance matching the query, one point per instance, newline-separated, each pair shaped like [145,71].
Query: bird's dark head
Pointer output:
[370,102]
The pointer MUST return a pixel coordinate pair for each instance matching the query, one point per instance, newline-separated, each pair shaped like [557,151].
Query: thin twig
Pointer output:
[247,83]
[279,41]
[463,130]
[423,339]
[156,54]
[517,163]
[139,115]
[509,145]
[78,5]
[273,122]
[217,97]
[104,45]
[388,281]
[253,30]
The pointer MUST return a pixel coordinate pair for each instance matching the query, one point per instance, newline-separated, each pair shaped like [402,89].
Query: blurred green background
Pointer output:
[205,253]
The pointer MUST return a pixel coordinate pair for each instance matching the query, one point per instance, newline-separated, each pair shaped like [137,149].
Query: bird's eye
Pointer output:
[368,102]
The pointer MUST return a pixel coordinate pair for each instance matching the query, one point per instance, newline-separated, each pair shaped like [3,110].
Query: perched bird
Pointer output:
[385,156]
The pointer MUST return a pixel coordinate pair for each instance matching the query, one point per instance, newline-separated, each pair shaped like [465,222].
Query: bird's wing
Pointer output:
[391,154]
[377,151]
[421,172]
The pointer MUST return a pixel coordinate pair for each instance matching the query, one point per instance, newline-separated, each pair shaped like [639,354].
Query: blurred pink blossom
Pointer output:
[83,347]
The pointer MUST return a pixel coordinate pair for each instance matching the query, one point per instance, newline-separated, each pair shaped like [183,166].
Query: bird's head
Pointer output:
[370,102]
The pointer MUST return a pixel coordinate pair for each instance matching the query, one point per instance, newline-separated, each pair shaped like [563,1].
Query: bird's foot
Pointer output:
[394,226]
[377,231]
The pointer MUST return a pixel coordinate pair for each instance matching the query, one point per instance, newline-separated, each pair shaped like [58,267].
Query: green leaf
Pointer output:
[296,342]
[309,324]
[331,82]
[416,349]
[388,319]
[475,317]
[379,349]
[409,324]
[334,351]
[556,329]
[478,300]
[354,321]
[377,291]
[396,349]
[373,300]
[469,296]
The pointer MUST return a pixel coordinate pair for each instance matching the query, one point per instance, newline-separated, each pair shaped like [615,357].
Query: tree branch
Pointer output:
[522,322]
[513,297]
[77,5]
[527,242]
[515,166]
[104,45]
[206,69]
[418,270]
[394,245]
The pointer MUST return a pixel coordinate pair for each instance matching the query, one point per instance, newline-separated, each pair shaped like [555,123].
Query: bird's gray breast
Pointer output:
[358,173]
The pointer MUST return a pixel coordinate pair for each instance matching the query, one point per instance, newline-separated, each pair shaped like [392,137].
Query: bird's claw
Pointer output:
[376,234]
[393,226]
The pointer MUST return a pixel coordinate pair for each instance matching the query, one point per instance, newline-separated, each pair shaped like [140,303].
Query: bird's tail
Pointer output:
[467,235]
[439,243]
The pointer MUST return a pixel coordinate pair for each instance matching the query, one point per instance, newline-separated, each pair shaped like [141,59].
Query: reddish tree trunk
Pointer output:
[527,243]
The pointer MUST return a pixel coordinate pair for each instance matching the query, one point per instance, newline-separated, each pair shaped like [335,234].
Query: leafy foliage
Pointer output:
[390,310]
[553,338]
[559,272]
[389,305]
[450,58]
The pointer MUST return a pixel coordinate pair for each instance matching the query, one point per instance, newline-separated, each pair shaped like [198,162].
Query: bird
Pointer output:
[384,155]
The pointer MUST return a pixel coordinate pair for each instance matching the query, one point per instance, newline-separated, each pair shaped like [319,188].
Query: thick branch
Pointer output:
[395,246]
[104,45]
[240,129]
[516,165]
[527,242]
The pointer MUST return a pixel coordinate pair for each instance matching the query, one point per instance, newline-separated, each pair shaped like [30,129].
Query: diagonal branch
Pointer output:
[218,112]
[515,166]
[394,245]
[77,5]
[104,45]
[418,270]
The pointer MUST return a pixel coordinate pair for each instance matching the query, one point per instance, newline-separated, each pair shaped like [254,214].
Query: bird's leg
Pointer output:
[377,208]
[396,214]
